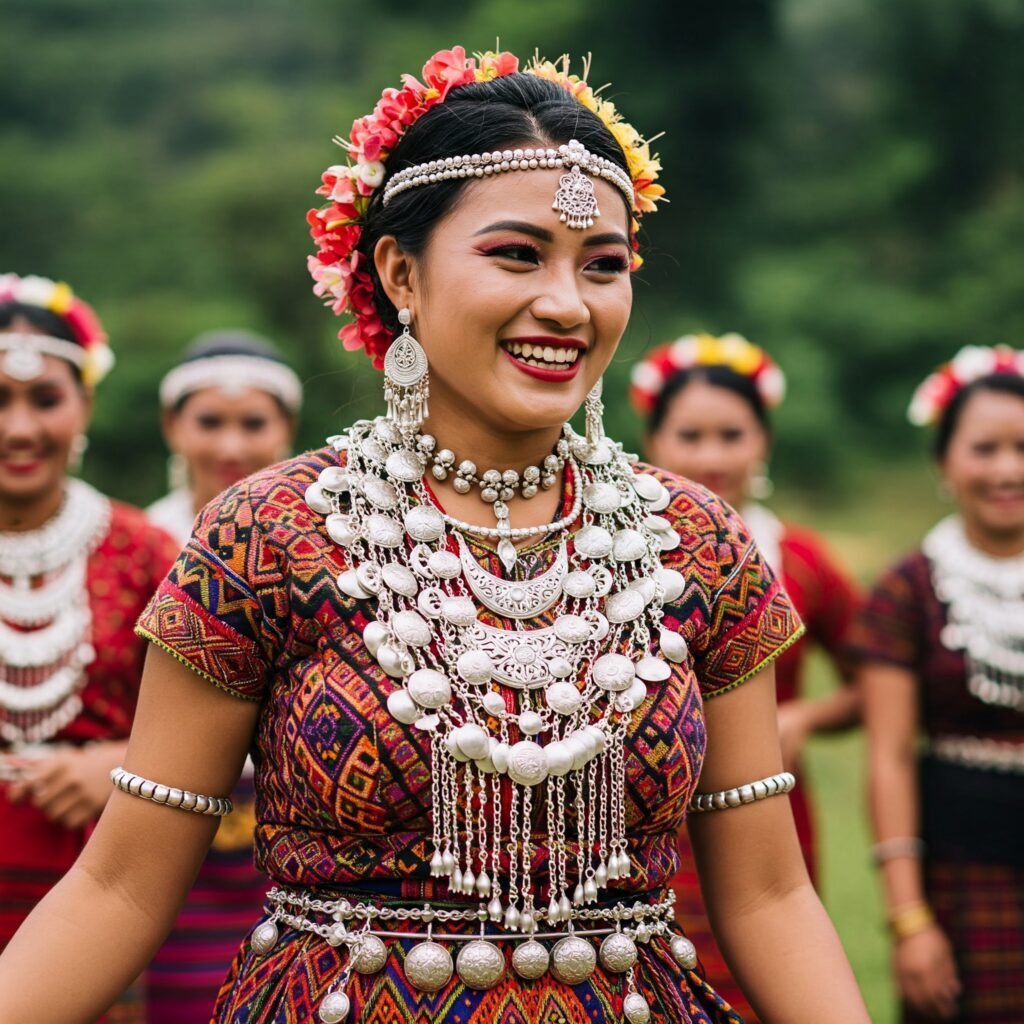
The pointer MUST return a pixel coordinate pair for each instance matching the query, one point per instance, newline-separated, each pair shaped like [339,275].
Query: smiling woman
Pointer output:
[75,571]
[475,741]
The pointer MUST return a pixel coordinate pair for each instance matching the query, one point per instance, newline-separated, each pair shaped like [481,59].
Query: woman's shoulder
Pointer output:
[691,506]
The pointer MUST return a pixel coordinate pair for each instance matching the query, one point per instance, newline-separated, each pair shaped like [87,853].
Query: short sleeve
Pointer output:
[890,625]
[222,609]
[734,613]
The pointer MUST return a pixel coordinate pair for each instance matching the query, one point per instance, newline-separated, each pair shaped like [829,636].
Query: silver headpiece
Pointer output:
[575,200]
[232,374]
[24,351]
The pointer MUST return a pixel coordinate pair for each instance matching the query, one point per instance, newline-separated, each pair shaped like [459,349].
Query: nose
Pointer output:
[19,427]
[560,300]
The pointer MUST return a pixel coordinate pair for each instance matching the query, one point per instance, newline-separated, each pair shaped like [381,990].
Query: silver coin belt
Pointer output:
[480,964]
[980,752]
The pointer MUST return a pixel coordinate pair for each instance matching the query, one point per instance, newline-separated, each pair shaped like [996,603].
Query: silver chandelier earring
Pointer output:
[761,486]
[594,408]
[177,472]
[76,453]
[406,379]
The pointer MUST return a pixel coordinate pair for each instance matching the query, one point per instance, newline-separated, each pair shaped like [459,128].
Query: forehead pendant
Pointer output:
[23,362]
[576,200]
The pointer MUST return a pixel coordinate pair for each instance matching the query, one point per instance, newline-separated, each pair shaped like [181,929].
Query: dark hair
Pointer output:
[717,376]
[43,320]
[1006,383]
[231,341]
[513,110]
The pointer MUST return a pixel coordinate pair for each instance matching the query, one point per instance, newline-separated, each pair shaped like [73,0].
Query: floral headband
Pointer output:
[971,363]
[23,352]
[651,375]
[341,273]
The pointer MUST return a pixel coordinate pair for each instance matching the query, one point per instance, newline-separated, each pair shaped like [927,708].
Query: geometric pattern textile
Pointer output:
[343,789]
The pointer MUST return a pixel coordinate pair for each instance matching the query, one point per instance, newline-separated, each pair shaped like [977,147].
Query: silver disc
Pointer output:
[635,1009]
[563,698]
[530,960]
[400,579]
[624,606]
[383,531]
[475,667]
[652,669]
[459,611]
[648,487]
[379,492]
[428,966]
[617,953]
[614,672]
[341,530]
[673,583]
[335,1008]
[579,584]
[629,545]
[481,965]
[527,764]
[411,628]
[264,938]
[684,951]
[429,688]
[334,479]
[572,629]
[602,497]
[594,542]
[370,956]
[404,465]
[573,960]
[444,565]
[673,646]
[424,523]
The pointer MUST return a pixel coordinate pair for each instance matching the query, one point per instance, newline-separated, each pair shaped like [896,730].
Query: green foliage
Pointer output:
[844,180]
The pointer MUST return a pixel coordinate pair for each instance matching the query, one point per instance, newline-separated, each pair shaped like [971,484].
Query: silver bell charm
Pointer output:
[684,951]
[636,1009]
[265,937]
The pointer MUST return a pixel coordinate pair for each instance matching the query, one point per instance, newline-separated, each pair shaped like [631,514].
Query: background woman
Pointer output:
[942,638]
[394,650]
[229,409]
[76,569]
[706,401]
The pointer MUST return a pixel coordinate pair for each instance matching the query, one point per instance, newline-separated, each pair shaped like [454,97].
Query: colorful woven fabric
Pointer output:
[973,879]
[827,603]
[343,789]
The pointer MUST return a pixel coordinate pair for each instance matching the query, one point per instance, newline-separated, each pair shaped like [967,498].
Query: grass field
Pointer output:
[891,513]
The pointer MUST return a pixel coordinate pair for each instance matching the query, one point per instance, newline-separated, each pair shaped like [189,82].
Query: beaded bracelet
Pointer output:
[911,920]
[901,846]
[772,785]
[180,799]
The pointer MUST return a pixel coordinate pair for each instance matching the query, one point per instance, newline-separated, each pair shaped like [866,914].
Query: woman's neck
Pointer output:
[997,543]
[19,515]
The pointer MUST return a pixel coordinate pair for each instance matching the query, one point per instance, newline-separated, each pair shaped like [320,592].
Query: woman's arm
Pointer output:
[96,930]
[801,718]
[767,918]
[923,961]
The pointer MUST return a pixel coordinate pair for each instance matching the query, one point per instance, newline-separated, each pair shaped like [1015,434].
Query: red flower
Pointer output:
[448,69]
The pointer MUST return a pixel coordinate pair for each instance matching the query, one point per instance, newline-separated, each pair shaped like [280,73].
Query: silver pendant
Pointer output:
[530,960]
[265,937]
[617,953]
[511,599]
[481,965]
[428,966]
[625,606]
[522,660]
[636,1009]
[684,951]
[573,960]
[424,524]
[335,1008]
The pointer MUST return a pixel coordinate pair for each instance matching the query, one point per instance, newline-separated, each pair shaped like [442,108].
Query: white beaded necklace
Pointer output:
[984,596]
[45,620]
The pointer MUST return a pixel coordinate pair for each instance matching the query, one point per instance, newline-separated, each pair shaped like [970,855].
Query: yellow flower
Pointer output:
[60,301]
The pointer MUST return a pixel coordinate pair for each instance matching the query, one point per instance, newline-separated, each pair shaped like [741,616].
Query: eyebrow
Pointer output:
[526,228]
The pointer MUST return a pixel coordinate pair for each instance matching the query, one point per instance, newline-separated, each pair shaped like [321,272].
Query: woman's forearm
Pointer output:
[780,951]
[839,710]
[895,815]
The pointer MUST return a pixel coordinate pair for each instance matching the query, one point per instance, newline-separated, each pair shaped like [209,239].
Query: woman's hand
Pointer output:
[71,786]
[926,973]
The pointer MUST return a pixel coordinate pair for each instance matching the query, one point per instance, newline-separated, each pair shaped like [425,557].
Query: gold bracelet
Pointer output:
[910,920]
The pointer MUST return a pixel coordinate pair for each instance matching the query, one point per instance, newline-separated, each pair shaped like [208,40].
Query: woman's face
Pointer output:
[519,315]
[711,435]
[39,421]
[984,464]
[225,436]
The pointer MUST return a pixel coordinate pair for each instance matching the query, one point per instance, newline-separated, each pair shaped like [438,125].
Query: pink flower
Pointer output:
[448,69]
[497,65]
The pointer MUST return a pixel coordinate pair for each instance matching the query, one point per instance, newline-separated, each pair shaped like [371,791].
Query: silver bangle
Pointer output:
[901,846]
[180,799]
[773,785]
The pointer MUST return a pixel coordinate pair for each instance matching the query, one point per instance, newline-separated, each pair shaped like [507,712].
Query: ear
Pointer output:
[397,272]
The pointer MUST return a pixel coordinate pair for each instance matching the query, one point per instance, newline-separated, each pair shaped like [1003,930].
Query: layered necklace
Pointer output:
[45,621]
[521,718]
[985,612]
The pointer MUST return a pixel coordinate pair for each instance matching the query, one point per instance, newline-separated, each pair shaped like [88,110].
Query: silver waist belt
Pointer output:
[978,752]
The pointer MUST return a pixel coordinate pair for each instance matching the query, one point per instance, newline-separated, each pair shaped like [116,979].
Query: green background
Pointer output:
[845,185]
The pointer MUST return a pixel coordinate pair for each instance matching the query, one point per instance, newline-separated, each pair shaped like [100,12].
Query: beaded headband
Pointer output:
[733,351]
[575,199]
[971,363]
[232,374]
[342,273]
[89,352]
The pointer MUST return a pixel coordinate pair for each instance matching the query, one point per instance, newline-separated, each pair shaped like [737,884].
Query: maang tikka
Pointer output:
[406,379]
